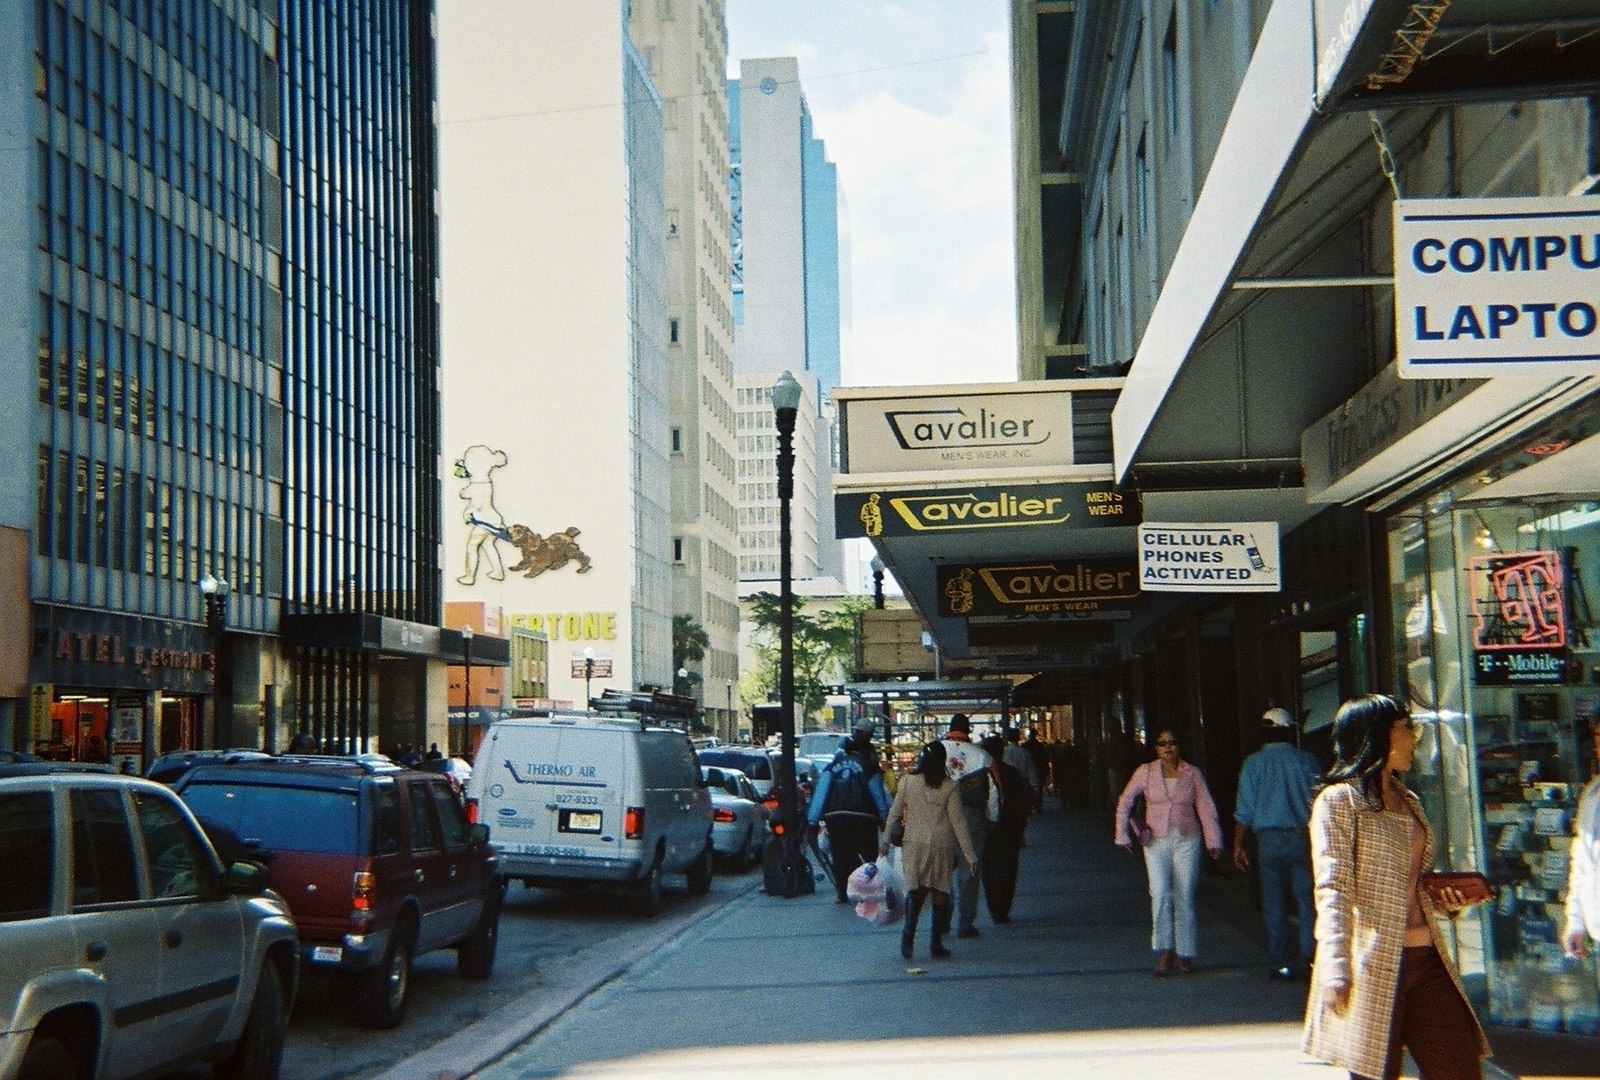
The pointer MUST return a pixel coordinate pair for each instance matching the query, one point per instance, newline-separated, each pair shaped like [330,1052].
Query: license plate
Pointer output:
[585,821]
[328,954]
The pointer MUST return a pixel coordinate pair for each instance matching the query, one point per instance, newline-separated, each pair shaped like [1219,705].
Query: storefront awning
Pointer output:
[364,632]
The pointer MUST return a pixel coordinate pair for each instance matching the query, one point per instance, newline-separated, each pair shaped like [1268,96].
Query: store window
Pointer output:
[1498,652]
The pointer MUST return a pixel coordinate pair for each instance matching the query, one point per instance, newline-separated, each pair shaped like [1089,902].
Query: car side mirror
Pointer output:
[478,833]
[245,878]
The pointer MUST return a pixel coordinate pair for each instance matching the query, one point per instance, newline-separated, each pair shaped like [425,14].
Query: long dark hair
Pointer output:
[930,764]
[1361,730]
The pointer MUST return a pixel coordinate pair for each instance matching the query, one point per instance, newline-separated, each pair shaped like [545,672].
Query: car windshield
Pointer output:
[819,743]
[279,818]
[755,765]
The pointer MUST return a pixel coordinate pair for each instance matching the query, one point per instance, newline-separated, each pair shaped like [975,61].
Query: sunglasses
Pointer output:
[1166,742]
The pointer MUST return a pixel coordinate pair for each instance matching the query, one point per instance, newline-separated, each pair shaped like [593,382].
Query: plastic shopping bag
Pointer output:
[878,892]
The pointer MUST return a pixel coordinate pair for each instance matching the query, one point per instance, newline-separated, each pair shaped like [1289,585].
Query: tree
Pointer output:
[824,648]
[689,644]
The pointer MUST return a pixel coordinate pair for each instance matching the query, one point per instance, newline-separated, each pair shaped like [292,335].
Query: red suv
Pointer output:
[378,864]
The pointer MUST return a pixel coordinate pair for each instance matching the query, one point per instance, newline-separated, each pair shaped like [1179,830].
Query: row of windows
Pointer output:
[96,514]
[749,493]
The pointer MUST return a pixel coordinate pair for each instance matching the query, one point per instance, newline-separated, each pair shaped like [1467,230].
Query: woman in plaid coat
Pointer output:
[1382,983]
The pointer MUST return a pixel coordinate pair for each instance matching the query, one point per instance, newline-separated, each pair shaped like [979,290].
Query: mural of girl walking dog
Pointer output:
[486,528]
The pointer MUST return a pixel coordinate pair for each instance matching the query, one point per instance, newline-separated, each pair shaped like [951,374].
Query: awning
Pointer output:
[365,632]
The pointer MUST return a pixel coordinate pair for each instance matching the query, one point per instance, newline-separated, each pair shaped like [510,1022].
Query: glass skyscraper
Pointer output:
[218,360]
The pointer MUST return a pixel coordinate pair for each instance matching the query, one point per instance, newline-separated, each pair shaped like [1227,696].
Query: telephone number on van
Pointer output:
[569,799]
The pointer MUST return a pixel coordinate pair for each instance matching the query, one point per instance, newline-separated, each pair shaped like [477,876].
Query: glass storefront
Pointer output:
[1497,648]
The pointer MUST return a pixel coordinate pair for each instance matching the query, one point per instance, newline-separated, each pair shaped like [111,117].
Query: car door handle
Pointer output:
[95,950]
[172,938]
[417,875]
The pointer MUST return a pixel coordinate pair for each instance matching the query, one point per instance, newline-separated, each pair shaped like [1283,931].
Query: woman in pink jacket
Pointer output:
[1179,814]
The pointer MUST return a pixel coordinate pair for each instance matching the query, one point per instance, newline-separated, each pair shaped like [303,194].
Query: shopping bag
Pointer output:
[876,888]
[865,884]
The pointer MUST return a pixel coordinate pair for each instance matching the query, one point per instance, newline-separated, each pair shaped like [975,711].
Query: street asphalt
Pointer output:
[771,988]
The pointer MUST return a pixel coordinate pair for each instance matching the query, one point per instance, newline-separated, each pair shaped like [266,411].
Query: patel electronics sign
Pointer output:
[1494,287]
[1519,632]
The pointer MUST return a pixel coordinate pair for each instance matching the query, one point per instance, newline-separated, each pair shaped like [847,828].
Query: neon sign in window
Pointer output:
[1518,601]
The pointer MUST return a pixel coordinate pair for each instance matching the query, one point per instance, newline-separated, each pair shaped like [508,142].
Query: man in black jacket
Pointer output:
[851,800]
[1004,848]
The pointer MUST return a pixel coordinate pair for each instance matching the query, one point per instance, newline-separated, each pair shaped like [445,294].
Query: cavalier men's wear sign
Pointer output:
[975,509]
[1038,589]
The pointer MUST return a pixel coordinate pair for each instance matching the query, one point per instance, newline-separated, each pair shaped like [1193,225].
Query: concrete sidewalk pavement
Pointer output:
[803,985]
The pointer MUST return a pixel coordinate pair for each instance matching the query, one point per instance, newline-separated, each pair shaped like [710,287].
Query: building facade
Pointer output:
[788,304]
[221,263]
[757,466]
[1208,203]
[685,48]
[557,433]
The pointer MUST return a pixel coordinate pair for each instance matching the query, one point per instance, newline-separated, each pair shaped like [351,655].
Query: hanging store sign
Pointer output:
[1496,287]
[1216,557]
[1038,589]
[1519,633]
[980,509]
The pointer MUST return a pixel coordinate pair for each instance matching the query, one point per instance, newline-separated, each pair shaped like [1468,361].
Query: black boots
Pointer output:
[941,927]
[908,936]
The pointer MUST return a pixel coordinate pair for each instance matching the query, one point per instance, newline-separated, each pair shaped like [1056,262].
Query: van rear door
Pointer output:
[554,788]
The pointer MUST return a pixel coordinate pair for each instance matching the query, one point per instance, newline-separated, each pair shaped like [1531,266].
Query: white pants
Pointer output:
[1173,863]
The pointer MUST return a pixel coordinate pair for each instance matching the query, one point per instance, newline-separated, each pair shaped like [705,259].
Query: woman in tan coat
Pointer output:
[928,809]
[1382,982]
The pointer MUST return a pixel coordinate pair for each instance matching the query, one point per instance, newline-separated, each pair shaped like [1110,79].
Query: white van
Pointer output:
[575,799]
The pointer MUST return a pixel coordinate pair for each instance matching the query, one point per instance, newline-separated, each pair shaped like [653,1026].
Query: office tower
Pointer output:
[684,46]
[220,263]
[555,336]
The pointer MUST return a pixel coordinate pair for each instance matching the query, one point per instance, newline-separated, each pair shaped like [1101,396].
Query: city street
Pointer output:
[553,946]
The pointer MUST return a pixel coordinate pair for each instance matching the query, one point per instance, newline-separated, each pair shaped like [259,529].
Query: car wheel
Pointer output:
[381,992]
[698,875]
[647,894]
[475,954]
[259,1052]
[47,1059]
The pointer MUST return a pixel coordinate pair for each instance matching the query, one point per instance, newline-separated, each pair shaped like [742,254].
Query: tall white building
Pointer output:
[554,338]
[685,46]
[787,279]
[758,479]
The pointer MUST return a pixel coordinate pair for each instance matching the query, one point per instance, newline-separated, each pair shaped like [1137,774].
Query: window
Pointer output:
[677,549]
[178,864]
[672,331]
[677,440]
[102,850]
[451,819]
[424,830]
[27,849]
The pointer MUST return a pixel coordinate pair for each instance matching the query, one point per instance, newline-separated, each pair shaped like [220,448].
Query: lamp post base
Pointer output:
[785,871]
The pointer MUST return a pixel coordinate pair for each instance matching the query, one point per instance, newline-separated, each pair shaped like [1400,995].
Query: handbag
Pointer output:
[1137,826]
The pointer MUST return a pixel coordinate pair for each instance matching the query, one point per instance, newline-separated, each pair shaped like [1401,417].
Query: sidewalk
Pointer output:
[776,988]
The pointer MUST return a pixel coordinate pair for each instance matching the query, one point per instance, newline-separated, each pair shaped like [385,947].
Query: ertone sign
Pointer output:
[1497,287]
[1003,429]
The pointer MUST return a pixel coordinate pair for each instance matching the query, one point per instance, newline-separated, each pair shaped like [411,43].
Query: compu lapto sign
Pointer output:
[1218,557]
[1494,287]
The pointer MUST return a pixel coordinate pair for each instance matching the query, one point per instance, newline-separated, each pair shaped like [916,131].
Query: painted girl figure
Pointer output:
[485,526]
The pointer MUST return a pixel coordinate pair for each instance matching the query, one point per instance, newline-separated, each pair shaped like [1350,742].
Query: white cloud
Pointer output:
[923,147]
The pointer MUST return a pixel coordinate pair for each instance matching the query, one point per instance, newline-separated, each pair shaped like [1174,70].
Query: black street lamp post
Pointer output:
[785,406]
[588,674]
[215,591]
[877,581]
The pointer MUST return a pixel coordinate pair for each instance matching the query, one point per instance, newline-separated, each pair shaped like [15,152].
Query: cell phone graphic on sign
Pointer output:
[1254,553]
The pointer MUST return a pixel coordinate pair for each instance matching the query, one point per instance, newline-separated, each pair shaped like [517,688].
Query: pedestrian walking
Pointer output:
[1274,802]
[933,831]
[1011,751]
[978,779]
[1583,866]
[1179,815]
[851,801]
[1382,983]
[1002,852]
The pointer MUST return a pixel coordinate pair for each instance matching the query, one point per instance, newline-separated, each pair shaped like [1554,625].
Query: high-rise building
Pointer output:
[787,302]
[758,480]
[219,264]
[685,48]
[556,336]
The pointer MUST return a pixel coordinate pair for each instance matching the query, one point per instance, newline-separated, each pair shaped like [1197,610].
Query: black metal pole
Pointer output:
[791,794]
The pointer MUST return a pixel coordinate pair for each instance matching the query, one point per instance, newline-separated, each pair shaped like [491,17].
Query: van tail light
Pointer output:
[633,823]
[363,896]
[723,814]
[472,811]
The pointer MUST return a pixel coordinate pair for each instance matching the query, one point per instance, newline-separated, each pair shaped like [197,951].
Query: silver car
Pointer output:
[739,829]
[128,947]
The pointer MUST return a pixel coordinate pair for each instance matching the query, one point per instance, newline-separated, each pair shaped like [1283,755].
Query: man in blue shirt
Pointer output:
[1274,802]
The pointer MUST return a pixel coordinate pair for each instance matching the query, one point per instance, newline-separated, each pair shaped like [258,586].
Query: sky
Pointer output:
[913,102]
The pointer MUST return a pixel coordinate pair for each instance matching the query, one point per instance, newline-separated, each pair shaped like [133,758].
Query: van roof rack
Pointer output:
[646,705]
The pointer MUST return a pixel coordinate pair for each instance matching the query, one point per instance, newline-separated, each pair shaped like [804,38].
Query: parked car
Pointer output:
[757,764]
[456,770]
[580,799]
[143,952]
[169,767]
[9,757]
[739,829]
[379,864]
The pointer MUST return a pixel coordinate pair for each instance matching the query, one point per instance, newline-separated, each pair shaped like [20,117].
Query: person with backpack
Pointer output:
[851,801]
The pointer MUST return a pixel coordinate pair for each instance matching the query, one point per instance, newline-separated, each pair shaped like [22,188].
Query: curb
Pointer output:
[486,1041]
